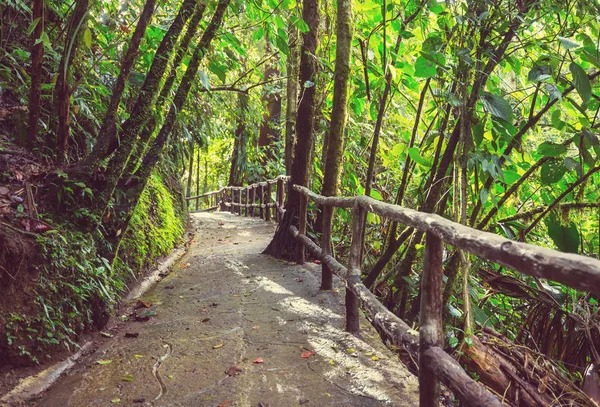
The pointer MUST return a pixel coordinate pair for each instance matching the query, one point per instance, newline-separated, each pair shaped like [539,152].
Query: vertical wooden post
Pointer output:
[431,331]
[239,208]
[197,203]
[279,199]
[352,303]
[247,199]
[268,202]
[231,195]
[326,275]
[252,199]
[301,228]
[261,196]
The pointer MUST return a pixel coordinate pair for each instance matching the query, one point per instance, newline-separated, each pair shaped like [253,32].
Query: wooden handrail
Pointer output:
[231,198]
[576,271]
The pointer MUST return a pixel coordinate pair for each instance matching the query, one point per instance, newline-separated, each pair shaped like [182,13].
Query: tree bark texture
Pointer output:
[131,189]
[238,157]
[37,57]
[283,244]
[335,145]
[108,131]
[62,91]
[292,97]
[143,107]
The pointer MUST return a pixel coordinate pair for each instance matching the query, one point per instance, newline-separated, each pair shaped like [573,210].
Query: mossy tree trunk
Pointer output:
[143,107]
[335,144]
[283,244]
[292,97]
[146,135]
[108,130]
[131,188]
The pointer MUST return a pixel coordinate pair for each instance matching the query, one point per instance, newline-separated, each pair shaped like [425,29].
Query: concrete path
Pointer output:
[232,327]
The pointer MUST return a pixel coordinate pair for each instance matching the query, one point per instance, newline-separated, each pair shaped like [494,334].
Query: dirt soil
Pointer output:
[232,327]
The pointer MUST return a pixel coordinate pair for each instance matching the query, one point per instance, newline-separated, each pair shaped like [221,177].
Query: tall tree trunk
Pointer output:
[283,244]
[188,191]
[335,144]
[144,106]
[131,188]
[108,130]
[62,91]
[37,57]
[238,157]
[269,132]
[291,97]
[146,135]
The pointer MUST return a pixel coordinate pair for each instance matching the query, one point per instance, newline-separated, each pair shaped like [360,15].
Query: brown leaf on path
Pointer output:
[306,355]
[205,320]
[233,371]
[142,304]
[219,346]
[299,280]
[226,403]
[131,334]
[259,360]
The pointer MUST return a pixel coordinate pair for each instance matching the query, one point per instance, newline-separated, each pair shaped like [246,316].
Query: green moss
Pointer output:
[76,288]
[155,227]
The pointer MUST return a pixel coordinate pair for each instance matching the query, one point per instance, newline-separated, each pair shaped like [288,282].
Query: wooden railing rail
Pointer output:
[248,200]
[435,364]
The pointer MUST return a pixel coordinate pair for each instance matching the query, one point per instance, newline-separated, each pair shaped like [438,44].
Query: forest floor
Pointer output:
[229,326]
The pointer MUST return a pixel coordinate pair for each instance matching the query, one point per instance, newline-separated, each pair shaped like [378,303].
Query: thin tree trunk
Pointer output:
[188,192]
[283,244]
[37,57]
[238,157]
[62,91]
[335,145]
[108,130]
[292,97]
[269,132]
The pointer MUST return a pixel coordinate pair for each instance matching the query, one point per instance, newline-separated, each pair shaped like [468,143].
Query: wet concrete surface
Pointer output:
[224,307]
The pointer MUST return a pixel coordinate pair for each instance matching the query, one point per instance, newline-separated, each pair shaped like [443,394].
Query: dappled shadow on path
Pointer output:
[224,307]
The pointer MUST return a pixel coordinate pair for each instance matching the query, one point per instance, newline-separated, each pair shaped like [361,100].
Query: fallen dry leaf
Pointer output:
[131,334]
[205,320]
[233,371]
[317,261]
[299,280]
[259,360]
[226,403]
[219,346]
[142,304]
[308,354]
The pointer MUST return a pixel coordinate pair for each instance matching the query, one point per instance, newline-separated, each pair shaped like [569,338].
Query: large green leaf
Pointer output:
[425,68]
[581,81]
[552,171]
[413,152]
[548,149]
[566,238]
[497,106]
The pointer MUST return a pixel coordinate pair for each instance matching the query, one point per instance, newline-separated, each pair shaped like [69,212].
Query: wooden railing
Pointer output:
[435,364]
[253,200]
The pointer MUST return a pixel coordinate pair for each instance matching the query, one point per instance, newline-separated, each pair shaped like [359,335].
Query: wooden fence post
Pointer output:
[326,275]
[197,203]
[268,202]
[431,330]
[301,228]
[352,303]
[247,200]
[261,196]
[279,199]
[239,208]
[231,196]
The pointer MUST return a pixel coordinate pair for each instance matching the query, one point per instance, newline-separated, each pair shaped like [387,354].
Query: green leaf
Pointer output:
[557,123]
[497,106]
[552,171]
[204,80]
[32,26]
[478,131]
[539,73]
[87,38]
[548,149]
[568,44]
[425,68]
[104,362]
[483,195]
[566,238]
[300,24]
[414,154]
[581,81]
